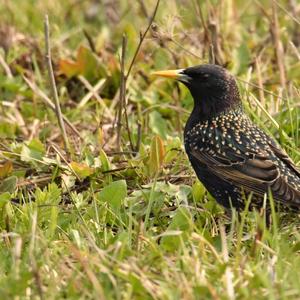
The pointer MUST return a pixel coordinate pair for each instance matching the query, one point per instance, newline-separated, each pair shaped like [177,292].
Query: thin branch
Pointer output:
[202,22]
[122,92]
[139,137]
[127,127]
[53,85]
[142,39]
[122,96]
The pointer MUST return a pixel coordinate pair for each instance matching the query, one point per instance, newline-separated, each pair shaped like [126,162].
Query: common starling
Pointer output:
[232,157]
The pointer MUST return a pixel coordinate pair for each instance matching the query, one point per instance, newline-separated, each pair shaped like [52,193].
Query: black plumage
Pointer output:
[231,156]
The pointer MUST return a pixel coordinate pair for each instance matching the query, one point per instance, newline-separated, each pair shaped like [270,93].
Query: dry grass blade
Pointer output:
[53,85]
[287,12]
[228,272]
[122,93]
[108,224]
[295,50]
[49,103]
[5,67]
[94,92]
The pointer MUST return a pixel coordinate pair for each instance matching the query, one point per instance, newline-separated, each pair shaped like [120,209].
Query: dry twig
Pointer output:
[5,66]
[122,92]
[122,99]
[53,85]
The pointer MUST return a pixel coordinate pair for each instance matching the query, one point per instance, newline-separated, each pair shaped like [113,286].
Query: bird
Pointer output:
[233,158]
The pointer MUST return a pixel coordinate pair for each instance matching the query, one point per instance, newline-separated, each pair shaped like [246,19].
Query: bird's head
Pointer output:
[213,88]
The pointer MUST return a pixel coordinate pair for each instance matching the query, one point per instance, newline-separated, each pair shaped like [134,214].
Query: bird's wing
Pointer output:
[256,174]
[285,158]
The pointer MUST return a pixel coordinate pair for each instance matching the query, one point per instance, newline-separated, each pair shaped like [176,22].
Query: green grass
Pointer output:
[99,222]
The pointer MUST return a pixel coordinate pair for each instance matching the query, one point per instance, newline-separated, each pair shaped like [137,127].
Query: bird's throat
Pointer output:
[206,108]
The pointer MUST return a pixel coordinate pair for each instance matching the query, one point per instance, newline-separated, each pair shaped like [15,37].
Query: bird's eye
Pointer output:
[204,77]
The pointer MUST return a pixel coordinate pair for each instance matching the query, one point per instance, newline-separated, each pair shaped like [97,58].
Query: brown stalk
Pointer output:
[142,38]
[122,92]
[53,85]
[124,77]
[202,21]
[215,42]
[212,58]
[215,38]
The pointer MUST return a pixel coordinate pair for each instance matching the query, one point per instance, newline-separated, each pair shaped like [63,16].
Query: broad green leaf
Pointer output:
[68,67]
[8,184]
[33,151]
[47,201]
[173,148]
[157,154]
[87,62]
[4,198]
[181,222]
[114,194]
[36,145]
[7,130]
[198,190]
[49,195]
[132,38]
[81,169]
[158,124]
[244,58]
[105,164]
[6,169]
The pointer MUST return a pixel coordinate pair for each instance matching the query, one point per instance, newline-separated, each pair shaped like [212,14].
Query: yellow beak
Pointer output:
[175,74]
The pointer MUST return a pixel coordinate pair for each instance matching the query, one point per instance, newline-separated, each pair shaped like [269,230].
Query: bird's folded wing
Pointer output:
[255,174]
[284,157]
